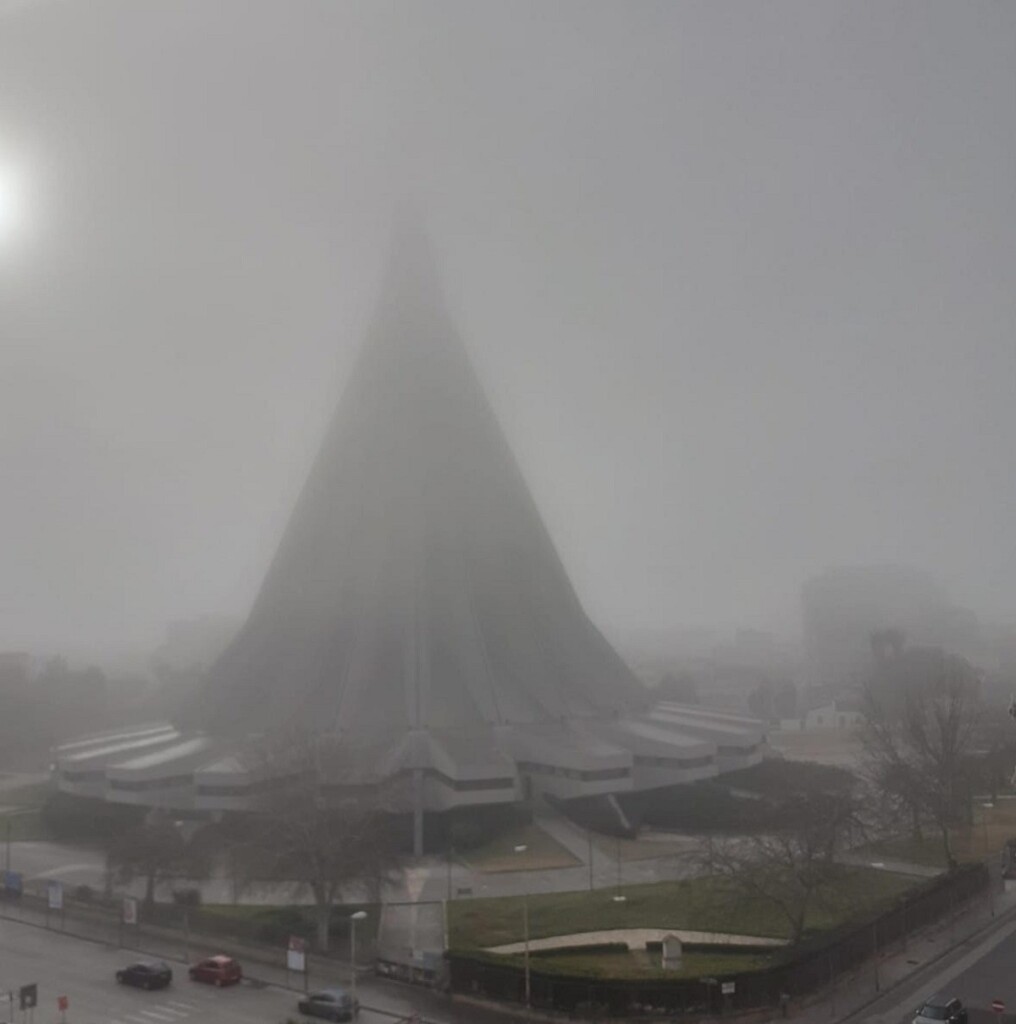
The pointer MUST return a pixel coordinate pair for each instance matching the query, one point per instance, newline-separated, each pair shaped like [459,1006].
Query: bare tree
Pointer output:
[922,711]
[319,823]
[791,871]
[156,851]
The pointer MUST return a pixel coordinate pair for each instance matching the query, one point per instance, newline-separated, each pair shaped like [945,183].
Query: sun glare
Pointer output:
[11,202]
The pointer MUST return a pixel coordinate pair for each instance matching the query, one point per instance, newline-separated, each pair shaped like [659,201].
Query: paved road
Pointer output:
[993,976]
[84,972]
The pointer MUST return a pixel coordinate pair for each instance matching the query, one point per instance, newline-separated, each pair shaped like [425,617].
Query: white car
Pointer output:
[940,1010]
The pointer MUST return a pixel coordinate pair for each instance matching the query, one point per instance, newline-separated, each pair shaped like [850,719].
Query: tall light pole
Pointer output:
[521,848]
[589,841]
[618,865]
[360,915]
[987,806]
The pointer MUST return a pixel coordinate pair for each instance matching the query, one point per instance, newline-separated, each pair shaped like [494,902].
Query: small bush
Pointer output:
[84,819]
[276,925]
[187,897]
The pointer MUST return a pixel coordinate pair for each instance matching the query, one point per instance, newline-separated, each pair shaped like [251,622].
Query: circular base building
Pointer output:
[417,610]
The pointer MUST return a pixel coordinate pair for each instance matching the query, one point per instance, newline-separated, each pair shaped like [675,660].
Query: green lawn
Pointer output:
[24,826]
[927,852]
[34,794]
[542,852]
[698,904]
[21,806]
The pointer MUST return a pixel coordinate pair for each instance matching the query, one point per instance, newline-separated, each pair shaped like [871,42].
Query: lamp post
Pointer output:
[181,830]
[986,806]
[360,915]
[589,840]
[521,848]
[618,865]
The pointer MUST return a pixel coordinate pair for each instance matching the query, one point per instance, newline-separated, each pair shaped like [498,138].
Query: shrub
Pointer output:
[84,819]
[187,897]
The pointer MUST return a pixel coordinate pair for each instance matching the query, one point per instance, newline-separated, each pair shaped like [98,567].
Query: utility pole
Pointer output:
[589,838]
[521,848]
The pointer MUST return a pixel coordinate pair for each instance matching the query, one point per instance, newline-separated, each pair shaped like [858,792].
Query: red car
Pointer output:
[217,970]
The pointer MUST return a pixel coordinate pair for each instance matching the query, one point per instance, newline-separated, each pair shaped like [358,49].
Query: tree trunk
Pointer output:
[915,825]
[950,860]
[324,919]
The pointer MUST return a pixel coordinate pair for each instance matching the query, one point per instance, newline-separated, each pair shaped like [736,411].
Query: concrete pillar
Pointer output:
[417,812]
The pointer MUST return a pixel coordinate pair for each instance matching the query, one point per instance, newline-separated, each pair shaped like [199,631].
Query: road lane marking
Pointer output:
[181,1005]
[156,1015]
[169,1009]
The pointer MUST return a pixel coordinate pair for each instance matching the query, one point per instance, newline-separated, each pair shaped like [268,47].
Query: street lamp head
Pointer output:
[360,915]
[619,898]
[521,848]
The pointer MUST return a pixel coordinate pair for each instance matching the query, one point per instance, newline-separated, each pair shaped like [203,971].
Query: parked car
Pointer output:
[330,1004]
[940,1008]
[146,974]
[217,970]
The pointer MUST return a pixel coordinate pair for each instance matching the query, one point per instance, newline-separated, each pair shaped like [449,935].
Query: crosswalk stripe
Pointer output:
[177,1002]
[157,1015]
[175,1013]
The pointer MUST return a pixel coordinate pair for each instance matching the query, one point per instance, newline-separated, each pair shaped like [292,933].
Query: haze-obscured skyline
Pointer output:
[737,279]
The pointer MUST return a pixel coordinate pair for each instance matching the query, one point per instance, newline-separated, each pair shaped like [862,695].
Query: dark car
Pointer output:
[940,1010]
[217,970]
[146,974]
[329,1004]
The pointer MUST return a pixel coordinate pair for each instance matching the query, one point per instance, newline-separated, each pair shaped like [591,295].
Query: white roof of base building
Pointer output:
[593,756]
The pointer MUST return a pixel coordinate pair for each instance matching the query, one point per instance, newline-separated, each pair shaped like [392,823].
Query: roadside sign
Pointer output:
[727,988]
[296,954]
[998,1005]
[130,910]
[54,894]
[28,996]
[62,1003]
[13,883]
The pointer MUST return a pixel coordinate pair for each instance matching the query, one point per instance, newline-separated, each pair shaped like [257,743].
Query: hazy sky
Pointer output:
[739,279]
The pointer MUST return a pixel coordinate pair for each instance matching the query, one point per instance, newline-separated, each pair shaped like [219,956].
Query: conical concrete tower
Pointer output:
[416,586]
[417,610]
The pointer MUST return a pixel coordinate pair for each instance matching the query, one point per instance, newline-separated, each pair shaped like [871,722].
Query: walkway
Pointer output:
[636,938]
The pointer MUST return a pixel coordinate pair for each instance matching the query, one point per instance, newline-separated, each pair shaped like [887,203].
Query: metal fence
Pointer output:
[815,965]
[177,931]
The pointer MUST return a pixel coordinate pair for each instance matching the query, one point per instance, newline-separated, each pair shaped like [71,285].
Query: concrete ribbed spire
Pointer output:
[415,585]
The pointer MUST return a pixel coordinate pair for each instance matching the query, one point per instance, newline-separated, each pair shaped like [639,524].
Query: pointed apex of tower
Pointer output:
[416,585]
[412,280]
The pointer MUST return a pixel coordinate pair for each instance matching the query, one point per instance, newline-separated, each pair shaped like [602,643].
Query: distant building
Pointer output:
[843,607]
[841,714]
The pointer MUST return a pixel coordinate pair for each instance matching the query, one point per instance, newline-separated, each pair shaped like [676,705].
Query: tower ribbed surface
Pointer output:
[415,585]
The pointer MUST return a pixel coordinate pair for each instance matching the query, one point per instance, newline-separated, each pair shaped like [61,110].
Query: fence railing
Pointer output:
[815,965]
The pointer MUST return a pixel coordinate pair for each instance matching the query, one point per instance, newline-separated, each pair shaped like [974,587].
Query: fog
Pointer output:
[737,279]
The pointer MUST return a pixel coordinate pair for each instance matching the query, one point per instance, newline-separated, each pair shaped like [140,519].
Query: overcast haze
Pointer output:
[738,279]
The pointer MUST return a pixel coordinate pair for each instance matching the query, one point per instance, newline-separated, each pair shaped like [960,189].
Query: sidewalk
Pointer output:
[884,989]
